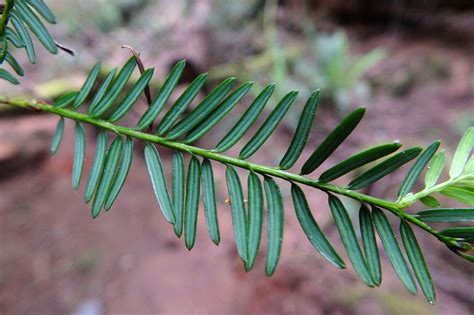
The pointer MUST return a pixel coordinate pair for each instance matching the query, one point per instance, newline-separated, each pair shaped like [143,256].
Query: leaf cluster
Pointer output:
[20,21]
[185,121]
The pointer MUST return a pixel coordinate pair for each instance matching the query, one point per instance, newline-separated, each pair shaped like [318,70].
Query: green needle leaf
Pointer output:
[417,168]
[165,92]
[466,233]
[101,91]
[108,175]
[238,212]
[36,26]
[203,109]
[116,88]
[87,86]
[14,64]
[434,170]
[20,27]
[79,155]
[301,133]
[430,201]
[122,174]
[392,249]
[462,153]
[246,121]
[43,10]
[462,194]
[58,135]
[8,77]
[371,250]
[446,215]
[218,113]
[178,191]
[359,159]
[312,230]
[210,208]
[417,261]
[132,96]
[65,100]
[275,222]
[333,140]
[192,202]
[255,217]
[158,181]
[384,168]
[181,104]
[97,166]
[349,239]
[267,128]
[13,37]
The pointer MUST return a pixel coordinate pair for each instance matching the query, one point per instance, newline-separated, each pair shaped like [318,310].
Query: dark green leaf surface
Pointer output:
[8,77]
[333,140]
[393,250]
[97,166]
[101,91]
[65,100]
[446,215]
[267,128]
[158,181]
[384,168]
[210,208]
[36,26]
[247,120]
[110,170]
[359,159]
[165,92]
[255,217]
[183,102]
[116,88]
[238,212]
[204,108]
[218,113]
[301,133]
[178,191]
[25,37]
[131,98]
[417,261]
[275,223]
[192,202]
[466,233]
[417,168]
[349,239]
[87,86]
[79,155]
[122,173]
[58,135]
[312,230]
[43,10]
[430,201]
[369,243]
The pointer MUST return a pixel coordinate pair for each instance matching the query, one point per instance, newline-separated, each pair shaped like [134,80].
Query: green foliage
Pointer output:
[182,125]
[21,19]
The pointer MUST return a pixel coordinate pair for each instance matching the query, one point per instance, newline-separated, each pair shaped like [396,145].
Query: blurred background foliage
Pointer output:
[409,62]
